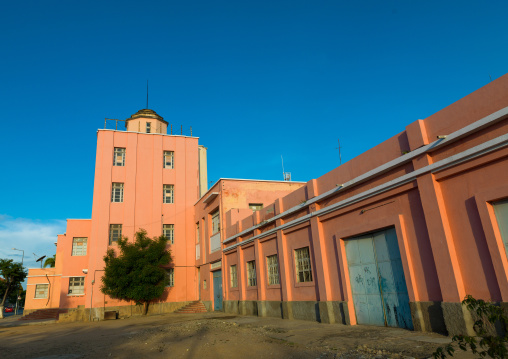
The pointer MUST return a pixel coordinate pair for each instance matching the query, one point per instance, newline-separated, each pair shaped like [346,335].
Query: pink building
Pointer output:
[397,236]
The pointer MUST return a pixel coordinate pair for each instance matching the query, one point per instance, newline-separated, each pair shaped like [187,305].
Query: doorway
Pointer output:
[217,290]
[377,280]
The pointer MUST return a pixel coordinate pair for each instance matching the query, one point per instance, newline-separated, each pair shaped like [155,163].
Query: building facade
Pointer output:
[397,236]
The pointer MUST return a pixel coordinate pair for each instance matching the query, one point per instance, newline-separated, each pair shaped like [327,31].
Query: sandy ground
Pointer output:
[213,335]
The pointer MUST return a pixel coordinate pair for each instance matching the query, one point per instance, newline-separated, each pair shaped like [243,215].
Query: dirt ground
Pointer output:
[213,335]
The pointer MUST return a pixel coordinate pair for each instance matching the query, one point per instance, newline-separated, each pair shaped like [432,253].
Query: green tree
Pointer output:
[137,273]
[13,274]
[50,261]
[486,342]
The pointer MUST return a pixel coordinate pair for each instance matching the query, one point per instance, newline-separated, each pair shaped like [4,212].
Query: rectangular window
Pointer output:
[119,157]
[256,206]
[168,231]
[115,233]
[234,281]
[117,192]
[41,291]
[79,246]
[501,211]
[148,127]
[169,159]
[171,275]
[303,269]
[251,274]
[76,285]
[197,233]
[215,222]
[168,193]
[273,270]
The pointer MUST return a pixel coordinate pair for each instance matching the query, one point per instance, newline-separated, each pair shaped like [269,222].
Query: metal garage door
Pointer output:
[377,280]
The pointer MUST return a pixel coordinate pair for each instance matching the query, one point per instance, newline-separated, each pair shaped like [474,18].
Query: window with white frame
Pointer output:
[117,192]
[79,246]
[251,274]
[168,231]
[115,233]
[148,127]
[169,159]
[501,211]
[232,274]
[215,222]
[76,285]
[171,275]
[256,206]
[303,268]
[168,193]
[41,291]
[119,157]
[273,269]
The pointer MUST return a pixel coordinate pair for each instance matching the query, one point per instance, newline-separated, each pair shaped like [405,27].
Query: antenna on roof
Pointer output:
[340,156]
[146,93]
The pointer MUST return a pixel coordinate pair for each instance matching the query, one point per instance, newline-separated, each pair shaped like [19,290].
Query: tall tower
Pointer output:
[146,121]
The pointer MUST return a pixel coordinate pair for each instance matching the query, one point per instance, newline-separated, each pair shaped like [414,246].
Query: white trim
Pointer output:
[484,148]
[42,275]
[465,131]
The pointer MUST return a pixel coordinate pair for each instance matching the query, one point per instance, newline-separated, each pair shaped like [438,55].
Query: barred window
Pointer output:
[273,269]
[115,233]
[76,285]
[119,157]
[251,274]
[168,231]
[169,159]
[168,196]
[234,280]
[171,275]
[215,222]
[148,127]
[303,269]
[79,246]
[117,192]
[256,206]
[41,291]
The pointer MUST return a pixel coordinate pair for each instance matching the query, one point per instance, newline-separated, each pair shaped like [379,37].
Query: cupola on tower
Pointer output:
[147,121]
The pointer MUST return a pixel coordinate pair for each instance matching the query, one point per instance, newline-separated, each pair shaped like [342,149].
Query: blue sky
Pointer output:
[255,80]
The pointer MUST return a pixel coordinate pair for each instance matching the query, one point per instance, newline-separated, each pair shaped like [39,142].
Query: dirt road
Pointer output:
[212,335]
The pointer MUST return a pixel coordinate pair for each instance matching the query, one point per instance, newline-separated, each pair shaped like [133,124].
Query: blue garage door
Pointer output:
[217,290]
[377,280]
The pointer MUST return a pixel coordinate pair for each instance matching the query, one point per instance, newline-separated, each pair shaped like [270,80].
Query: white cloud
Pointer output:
[31,235]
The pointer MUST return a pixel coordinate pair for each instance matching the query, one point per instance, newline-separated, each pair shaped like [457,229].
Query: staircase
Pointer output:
[194,307]
[44,314]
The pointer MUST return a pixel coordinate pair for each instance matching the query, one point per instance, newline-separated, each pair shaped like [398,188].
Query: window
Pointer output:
[197,232]
[119,157]
[41,291]
[79,246]
[115,233]
[501,211]
[168,159]
[303,270]
[168,193]
[117,192]
[168,231]
[256,206]
[234,280]
[76,285]
[251,274]
[215,222]
[148,127]
[273,269]
[171,275]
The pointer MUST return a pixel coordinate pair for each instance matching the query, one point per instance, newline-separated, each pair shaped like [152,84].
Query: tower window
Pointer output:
[119,157]
[117,192]
[79,246]
[168,231]
[168,193]
[169,159]
[148,127]
[115,233]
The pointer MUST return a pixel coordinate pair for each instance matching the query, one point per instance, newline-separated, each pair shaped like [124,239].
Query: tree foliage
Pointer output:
[136,273]
[12,274]
[486,343]
[50,261]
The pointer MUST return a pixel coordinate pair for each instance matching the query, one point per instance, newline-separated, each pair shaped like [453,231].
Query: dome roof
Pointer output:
[146,113]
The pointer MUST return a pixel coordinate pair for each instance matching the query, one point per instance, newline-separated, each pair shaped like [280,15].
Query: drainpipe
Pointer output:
[91,295]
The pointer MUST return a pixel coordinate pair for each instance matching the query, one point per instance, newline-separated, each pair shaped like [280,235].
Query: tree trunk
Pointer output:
[145,309]
[1,312]
[3,300]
